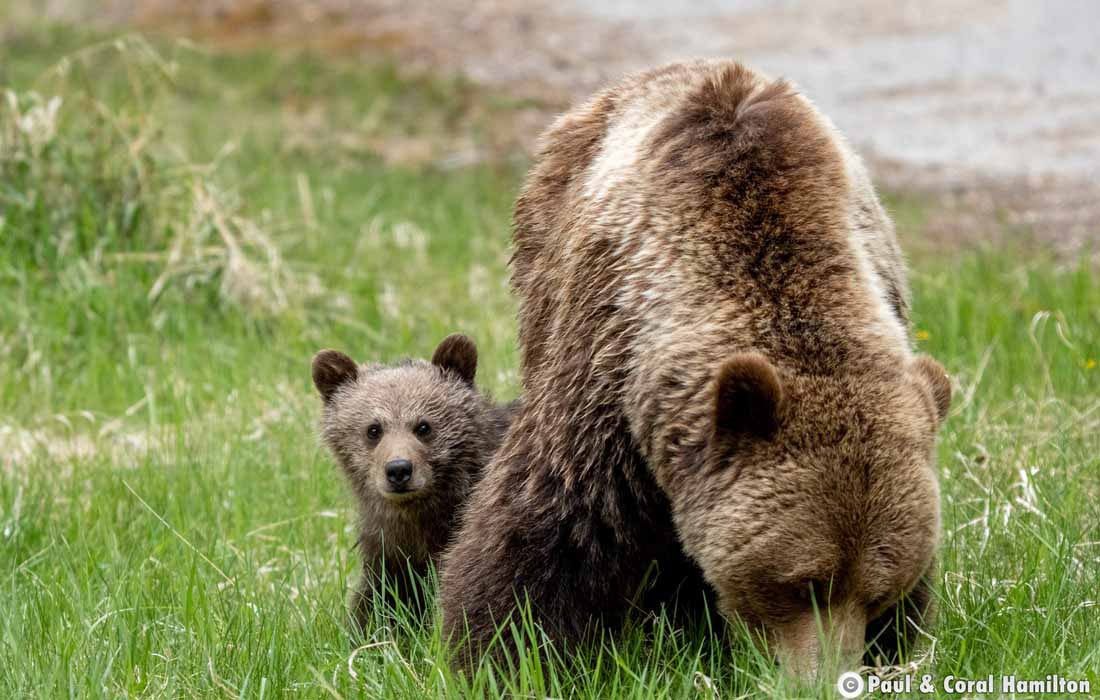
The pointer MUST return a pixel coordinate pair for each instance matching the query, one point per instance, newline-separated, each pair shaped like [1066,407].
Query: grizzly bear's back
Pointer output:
[691,212]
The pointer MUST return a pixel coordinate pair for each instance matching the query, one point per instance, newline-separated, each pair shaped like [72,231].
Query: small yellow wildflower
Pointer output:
[1090,364]
[923,335]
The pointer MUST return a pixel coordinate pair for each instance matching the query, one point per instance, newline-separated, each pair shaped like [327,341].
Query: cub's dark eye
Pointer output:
[423,429]
[374,432]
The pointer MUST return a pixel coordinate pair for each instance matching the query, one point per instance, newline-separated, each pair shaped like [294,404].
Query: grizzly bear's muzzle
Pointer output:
[821,643]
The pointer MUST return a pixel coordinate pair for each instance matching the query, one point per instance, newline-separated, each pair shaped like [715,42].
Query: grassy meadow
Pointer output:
[181,229]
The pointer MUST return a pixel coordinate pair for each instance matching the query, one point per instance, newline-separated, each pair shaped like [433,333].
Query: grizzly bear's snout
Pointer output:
[821,642]
[398,473]
[398,465]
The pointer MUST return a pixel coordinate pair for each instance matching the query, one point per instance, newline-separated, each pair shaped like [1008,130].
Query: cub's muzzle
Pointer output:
[398,473]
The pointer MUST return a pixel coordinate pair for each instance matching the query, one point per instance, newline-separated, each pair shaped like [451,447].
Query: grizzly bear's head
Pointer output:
[815,508]
[408,432]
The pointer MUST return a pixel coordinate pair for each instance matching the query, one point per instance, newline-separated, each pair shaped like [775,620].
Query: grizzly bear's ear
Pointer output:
[938,382]
[331,369]
[748,397]
[457,354]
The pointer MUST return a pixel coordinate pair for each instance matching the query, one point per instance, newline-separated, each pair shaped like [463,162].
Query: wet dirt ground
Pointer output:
[991,106]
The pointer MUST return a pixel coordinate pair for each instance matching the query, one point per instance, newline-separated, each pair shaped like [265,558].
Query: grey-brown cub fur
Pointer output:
[412,439]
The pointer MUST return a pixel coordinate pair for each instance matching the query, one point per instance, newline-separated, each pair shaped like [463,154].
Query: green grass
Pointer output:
[188,227]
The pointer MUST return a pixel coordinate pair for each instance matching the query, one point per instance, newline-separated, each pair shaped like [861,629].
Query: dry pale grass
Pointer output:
[194,230]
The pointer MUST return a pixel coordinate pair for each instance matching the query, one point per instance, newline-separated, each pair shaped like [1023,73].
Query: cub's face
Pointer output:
[818,518]
[402,433]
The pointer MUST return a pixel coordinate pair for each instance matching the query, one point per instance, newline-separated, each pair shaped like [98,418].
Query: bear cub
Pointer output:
[412,439]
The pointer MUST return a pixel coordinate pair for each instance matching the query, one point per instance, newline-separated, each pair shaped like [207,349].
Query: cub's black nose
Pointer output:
[399,471]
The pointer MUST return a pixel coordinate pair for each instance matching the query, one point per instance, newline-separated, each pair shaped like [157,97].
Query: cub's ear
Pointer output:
[935,376]
[457,354]
[748,396]
[332,369]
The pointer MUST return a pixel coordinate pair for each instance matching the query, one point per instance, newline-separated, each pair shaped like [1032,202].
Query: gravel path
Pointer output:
[992,105]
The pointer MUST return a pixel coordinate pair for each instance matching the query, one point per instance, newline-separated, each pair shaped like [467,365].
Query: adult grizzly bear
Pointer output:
[716,362]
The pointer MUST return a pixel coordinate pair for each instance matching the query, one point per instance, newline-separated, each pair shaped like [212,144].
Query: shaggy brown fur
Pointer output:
[716,362]
[412,440]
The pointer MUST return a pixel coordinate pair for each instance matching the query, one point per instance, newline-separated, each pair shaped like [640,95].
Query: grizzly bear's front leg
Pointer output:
[573,525]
